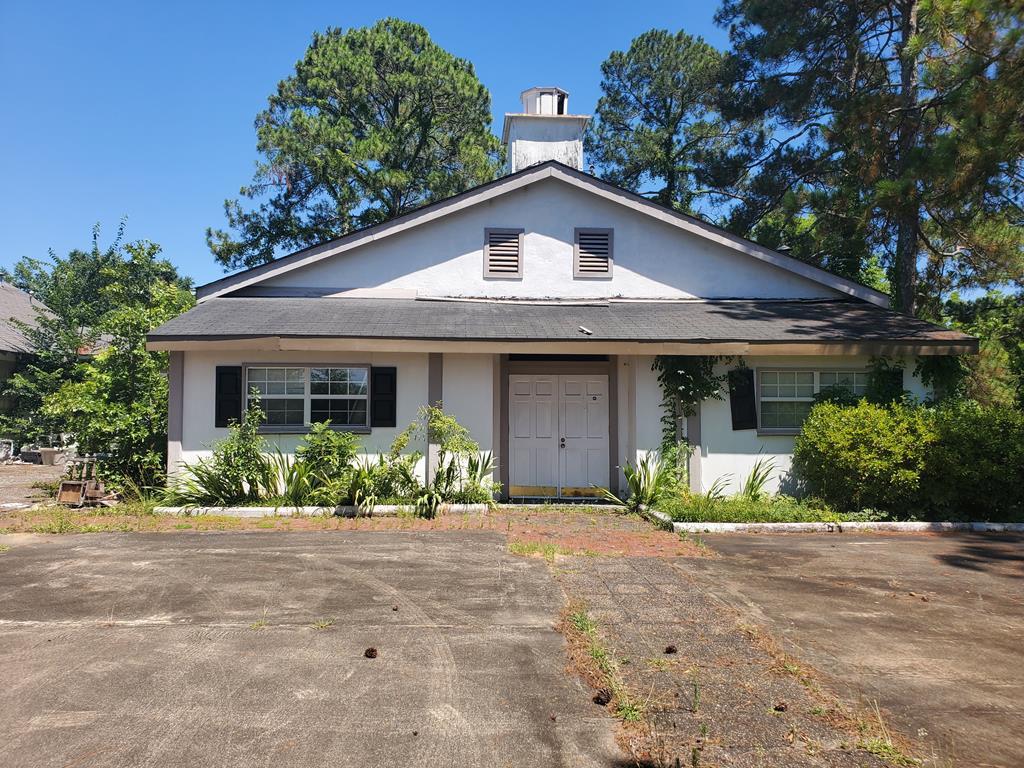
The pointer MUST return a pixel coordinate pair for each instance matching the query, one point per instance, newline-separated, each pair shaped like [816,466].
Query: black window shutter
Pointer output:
[383,396]
[741,398]
[228,405]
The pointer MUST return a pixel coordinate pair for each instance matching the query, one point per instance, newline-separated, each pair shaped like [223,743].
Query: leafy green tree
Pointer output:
[897,125]
[374,122]
[996,375]
[657,125]
[117,401]
[77,292]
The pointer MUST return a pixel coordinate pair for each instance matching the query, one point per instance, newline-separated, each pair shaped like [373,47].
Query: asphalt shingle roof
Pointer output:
[17,305]
[755,321]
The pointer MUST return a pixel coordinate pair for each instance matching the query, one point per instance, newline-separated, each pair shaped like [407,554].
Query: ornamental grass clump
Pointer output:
[651,479]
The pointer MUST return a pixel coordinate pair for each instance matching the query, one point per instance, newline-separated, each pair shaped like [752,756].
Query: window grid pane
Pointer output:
[786,397]
[338,394]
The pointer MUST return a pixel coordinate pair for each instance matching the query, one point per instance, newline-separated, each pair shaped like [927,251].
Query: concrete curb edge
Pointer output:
[383,510]
[908,527]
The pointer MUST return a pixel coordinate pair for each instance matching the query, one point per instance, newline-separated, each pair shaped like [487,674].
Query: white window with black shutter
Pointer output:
[293,397]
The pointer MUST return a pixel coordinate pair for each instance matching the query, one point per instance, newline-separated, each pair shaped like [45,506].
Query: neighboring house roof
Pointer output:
[16,304]
[753,322]
[547,170]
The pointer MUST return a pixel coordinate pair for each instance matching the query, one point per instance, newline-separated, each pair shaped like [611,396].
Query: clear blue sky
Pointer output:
[146,110]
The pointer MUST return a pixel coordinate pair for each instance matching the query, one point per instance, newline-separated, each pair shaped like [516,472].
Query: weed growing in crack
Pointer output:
[547,551]
[614,690]
[881,744]
[323,623]
[261,622]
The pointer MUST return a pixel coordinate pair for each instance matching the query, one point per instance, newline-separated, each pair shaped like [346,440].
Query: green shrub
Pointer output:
[462,474]
[324,471]
[328,457]
[391,478]
[238,472]
[956,461]
[975,470]
[865,455]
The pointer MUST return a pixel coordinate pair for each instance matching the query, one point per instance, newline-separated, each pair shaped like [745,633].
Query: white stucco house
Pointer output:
[532,308]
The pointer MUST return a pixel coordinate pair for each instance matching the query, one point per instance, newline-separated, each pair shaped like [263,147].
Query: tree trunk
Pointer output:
[907,215]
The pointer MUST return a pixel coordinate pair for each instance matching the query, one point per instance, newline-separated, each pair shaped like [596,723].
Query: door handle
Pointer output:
[561,443]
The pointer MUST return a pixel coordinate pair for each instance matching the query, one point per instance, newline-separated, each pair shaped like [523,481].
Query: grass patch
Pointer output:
[57,520]
[598,665]
[872,734]
[4,548]
[690,508]
[324,623]
[879,742]
[546,550]
[885,750]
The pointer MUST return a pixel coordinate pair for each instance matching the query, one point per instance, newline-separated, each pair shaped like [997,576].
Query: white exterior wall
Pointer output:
[534,139]
[648,407]
[468,392]
[725,453]
[468,382]
[199,433]
[652,259]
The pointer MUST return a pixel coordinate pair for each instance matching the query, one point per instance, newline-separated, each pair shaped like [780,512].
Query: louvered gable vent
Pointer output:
[503,253]
[593,253]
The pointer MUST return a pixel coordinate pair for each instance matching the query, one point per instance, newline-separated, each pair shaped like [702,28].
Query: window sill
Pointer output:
[780,432]
[305,430]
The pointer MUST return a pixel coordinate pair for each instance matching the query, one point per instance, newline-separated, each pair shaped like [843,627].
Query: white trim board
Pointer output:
[548,170]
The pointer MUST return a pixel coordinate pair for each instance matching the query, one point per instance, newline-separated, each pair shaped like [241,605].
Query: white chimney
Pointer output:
[544,130]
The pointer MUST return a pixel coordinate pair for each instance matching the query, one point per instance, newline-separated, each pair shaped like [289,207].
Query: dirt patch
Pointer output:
[583,530]
[726,695]
[18,481]
[947,669]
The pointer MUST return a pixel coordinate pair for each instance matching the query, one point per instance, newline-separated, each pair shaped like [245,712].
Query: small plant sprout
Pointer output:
[323,623]
[261,622]
[881,744]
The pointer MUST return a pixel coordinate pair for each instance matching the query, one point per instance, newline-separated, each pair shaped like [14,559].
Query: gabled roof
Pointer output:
[551,169]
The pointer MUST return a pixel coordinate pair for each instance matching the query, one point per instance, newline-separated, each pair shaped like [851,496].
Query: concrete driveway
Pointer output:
[931,627]
[248,649]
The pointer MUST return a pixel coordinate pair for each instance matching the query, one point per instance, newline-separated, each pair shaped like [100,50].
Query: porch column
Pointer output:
[435,396]
[693,440]
[175,408]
